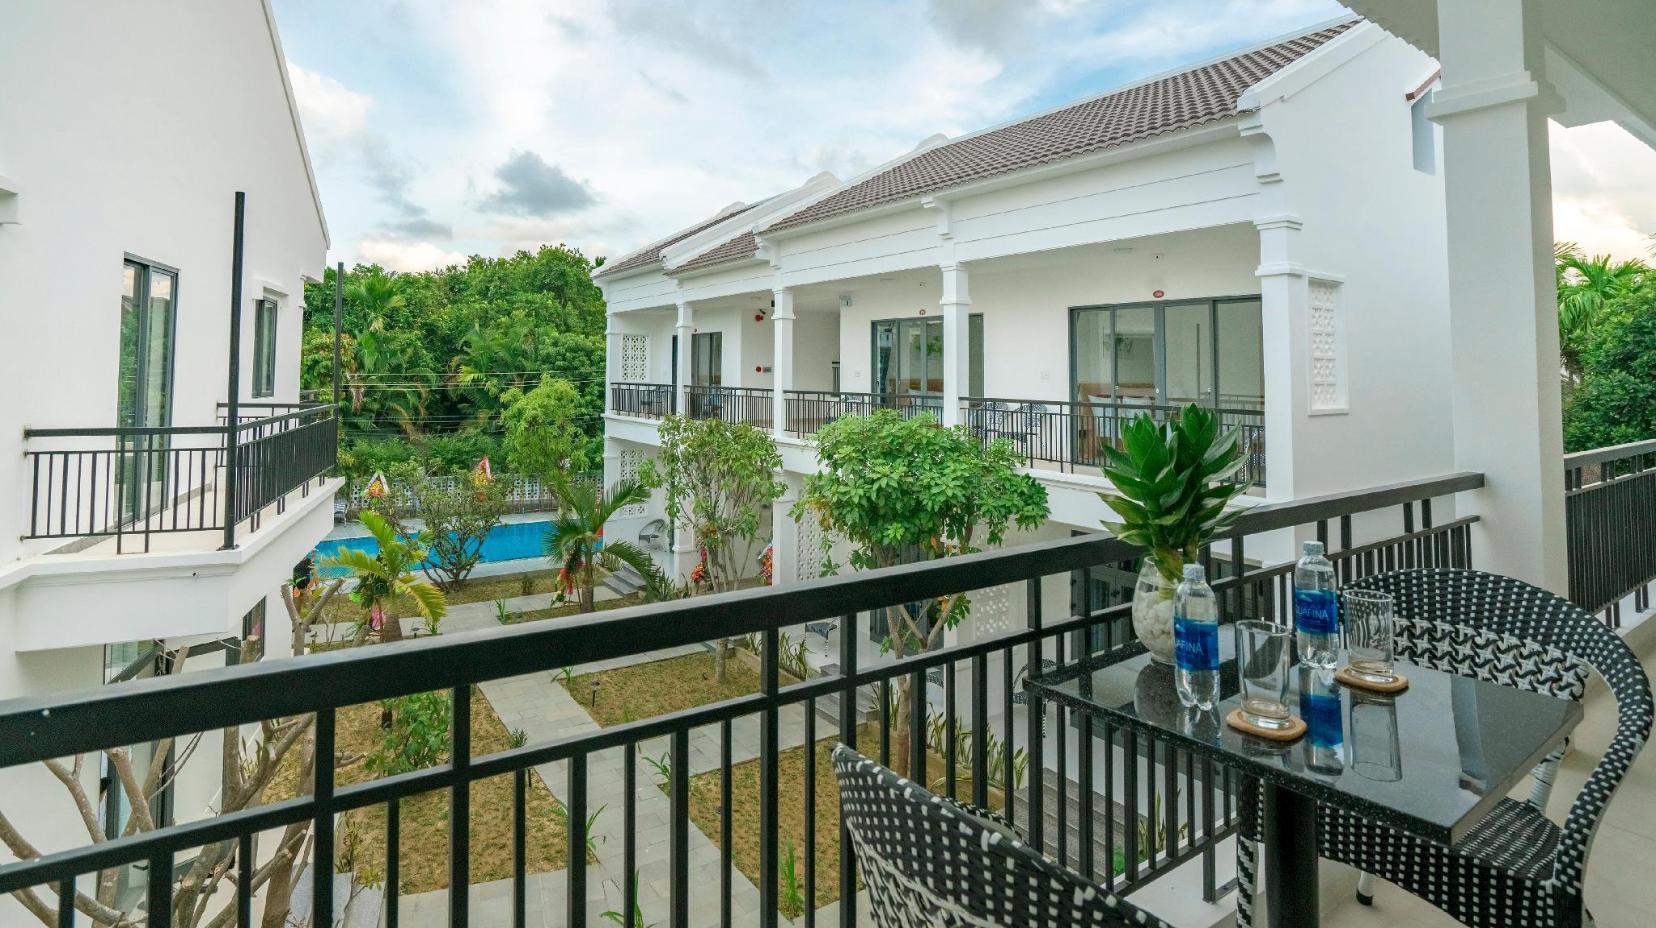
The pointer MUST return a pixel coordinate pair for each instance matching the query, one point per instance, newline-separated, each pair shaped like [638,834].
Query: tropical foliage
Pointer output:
[718,477]
[1615,401]
[457,517]
[1587,288]
[544,435]
[386,577]
[1172,485]
[902,489]
[442,355]
[575,541]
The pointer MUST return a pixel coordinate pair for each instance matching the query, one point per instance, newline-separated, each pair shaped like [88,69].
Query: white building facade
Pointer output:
[122,151]
[1262,234]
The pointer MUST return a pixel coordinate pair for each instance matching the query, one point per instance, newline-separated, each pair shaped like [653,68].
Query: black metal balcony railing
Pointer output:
[125,482]
[810,410]
[645,400]
[751,405]
[1610,518]
[1143,797]
[1068,435]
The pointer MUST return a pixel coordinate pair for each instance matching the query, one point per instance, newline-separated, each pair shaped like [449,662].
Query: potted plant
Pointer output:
[1172,496]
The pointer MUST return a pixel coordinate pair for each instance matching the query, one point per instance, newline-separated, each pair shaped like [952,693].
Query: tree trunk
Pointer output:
[390,628]
[587,598]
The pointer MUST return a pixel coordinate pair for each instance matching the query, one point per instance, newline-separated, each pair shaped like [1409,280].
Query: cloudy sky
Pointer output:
[442,129]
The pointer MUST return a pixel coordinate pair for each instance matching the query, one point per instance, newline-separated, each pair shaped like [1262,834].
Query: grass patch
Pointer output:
[744,823]
[423,860]
[643,691]
[569,609]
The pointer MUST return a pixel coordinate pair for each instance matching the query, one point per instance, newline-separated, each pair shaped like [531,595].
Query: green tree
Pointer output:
[1615,402]
[386,576]
[458,515]
[1587,286]
[575,541]
[543,433]
[903,490]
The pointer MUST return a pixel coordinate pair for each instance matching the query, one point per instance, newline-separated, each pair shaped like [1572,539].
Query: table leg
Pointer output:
[1290,859]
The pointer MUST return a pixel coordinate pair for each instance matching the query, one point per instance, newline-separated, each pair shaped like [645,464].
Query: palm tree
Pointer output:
[575,542]
[386,576]
[1585,286]
[375,293]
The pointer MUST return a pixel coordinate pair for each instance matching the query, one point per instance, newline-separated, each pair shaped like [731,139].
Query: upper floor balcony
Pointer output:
[152,517]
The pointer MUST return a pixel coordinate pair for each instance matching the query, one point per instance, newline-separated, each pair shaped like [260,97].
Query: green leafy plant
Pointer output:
[575,542]
[502,615]
[517,738]
[901,490]
[637,913]
[458,514]
[386,576]
[663,767]
[792,901]
[564,675]
[418,736]
[1171,485]
[526,584]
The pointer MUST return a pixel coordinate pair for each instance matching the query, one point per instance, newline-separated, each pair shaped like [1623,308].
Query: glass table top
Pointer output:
[1432,760]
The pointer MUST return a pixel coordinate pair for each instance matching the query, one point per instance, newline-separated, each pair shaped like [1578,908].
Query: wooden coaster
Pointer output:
[1346,676]
[1295,729]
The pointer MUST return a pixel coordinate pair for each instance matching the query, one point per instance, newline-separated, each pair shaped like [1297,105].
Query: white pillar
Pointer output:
[785,533]
[1283,300]
[1503,309]
[612,361]
[956,303]
[782,366]
[685,328]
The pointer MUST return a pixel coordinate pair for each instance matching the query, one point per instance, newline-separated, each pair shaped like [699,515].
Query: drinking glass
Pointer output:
[1368,634]
[1262,650]
[1376,751]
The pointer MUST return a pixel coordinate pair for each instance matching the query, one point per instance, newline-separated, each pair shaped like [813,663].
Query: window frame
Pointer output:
[265,319]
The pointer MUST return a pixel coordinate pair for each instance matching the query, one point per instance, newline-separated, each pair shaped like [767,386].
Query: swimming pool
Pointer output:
[508,541]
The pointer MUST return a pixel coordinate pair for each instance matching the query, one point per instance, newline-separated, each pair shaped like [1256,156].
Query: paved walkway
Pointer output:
[545,711]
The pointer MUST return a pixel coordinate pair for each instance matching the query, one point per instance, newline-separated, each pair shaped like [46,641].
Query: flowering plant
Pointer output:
[765,564]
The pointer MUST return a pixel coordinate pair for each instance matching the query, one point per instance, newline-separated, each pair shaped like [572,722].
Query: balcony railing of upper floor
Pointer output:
[1127,818]
[1067,435]
[751,405]
[644,400]
[130,484]
[810,410]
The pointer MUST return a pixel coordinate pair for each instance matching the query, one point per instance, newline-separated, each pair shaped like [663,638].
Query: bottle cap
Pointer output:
[1194,572]
[1313,549]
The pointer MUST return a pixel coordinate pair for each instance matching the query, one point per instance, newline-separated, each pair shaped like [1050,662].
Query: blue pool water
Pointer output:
[506,542]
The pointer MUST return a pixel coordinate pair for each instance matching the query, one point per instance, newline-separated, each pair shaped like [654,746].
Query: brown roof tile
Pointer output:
[743,245]
[652,252]
[1179,101]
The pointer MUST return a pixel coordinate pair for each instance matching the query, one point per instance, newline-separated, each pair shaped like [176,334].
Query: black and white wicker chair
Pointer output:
[1516,868]
[930,862]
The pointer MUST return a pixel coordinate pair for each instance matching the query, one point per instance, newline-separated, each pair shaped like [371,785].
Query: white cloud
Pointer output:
[332,113]
[396,255]
[1604,195]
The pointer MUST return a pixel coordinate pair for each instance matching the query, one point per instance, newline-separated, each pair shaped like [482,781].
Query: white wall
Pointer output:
[132,137]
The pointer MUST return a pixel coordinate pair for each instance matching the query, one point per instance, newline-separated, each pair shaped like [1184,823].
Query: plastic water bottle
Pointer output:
[1316,609]
[1196,640]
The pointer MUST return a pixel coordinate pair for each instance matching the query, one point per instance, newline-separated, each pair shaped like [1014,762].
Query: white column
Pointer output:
[1503,309]
[1283,299]
[612,361]
[782,366]
[956,303]
[685,328]
[785,533]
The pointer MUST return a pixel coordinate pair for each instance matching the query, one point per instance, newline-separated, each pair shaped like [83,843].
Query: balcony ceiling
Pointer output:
[1599,54]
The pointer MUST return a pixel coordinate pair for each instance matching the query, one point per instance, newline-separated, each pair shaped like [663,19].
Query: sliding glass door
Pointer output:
[908,359]
[144,377]
[1173,353]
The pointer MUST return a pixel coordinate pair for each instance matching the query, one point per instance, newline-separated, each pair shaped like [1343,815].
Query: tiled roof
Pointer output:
[1184,100]
[652,253]
[739,246]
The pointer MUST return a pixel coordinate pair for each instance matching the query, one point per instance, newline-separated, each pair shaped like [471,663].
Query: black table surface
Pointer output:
[1461,744]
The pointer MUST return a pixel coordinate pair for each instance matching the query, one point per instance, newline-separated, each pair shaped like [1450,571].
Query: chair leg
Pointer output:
[1541,778]
[1247,870]
[1365,888]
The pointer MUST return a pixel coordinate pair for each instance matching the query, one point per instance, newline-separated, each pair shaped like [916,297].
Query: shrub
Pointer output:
[418,736]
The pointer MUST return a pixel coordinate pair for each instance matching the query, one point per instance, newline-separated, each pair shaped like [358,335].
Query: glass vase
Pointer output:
[1153,611]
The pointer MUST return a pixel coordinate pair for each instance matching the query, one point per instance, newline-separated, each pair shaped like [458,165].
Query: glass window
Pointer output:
[143,391]
[264,349]
[974,351]
[1242,355]
[1207,351]
[1187,346]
